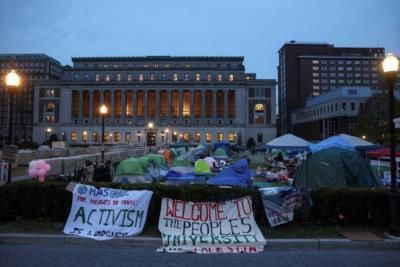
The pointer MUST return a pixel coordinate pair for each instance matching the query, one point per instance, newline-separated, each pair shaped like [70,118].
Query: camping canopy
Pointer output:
[238,174]
[355,141]
[288,141]
[158,160]
[336,167]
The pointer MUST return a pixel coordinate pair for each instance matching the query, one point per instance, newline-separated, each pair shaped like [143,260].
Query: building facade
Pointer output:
[31,68]
[198,99]
[312,69]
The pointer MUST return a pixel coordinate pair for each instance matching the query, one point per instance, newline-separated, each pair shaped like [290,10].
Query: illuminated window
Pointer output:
[197,76]
[75,103]
[106,136]
[231,77]
[163,104]
[208,137]
[175,104]
[74,136]
[107,101]
[221,104]
[97,77]
[232,137]
[128,137]
[197,103]
[50,107]
[186,103]
[151,103]
[118,103]
[117,136]
[209,76]
[141,77]
[96,103]
[219,77]
[50,92]
[259,108]
[129,77]
[49,118]
[231,104]
[107,77]
[175,76]
[118,76]
[186,137]
[152,77]
[95,137]
[140,104]
[197,137]
[186,76]
[128,104]
[220,137]
[84,136]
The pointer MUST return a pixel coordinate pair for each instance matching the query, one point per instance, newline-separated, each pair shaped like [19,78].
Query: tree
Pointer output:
[372,120]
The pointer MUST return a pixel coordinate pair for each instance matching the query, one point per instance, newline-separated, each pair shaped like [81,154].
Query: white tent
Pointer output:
[288,141]
[355,141]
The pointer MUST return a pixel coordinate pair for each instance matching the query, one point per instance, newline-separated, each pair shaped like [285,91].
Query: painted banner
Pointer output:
[106,213]
[209,227]
[280,203]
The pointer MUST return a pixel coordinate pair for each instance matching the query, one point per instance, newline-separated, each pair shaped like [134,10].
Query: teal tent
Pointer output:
[131,171]
[335,167]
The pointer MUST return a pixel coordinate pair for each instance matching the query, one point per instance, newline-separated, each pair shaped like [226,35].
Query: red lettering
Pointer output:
[220,212]
[198,212]
[248,209]
[170,210]
[236,201]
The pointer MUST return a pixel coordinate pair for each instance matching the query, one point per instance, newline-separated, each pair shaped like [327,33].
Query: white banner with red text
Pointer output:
[107,213]
[209,227]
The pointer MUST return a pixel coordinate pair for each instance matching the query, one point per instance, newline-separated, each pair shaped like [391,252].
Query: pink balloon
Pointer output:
[41,162]
[40,172]
[47,167]
[41,179]
[32,172]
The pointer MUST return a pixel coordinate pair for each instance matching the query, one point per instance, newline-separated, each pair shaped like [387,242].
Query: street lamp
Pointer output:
[12,84]
[103,112]
[150,139]
[48,132]
[166,137]
[390,68]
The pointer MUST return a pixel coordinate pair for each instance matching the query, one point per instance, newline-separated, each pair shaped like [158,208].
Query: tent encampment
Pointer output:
[131,171]
[224,145]
[201,167]
[332,142]
[238,174]
[288,141]
[182,164]
[336,167]
[220,153]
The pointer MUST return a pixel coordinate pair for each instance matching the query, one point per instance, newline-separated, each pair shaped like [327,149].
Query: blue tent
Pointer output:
[236,174]
[334,141]
[225,145]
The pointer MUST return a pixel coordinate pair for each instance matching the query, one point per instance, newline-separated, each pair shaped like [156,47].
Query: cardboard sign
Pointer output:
[106,213]
[279,203]
[209,227]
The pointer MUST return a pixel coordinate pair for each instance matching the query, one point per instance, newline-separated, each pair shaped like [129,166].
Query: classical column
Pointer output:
[157,106]
[225,106]
[192,107]
[91,108]
[123,108]
[146,104]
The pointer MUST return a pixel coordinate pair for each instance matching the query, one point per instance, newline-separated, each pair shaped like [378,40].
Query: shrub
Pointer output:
[50,200]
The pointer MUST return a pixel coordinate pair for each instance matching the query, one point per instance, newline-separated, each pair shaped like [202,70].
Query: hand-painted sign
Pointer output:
[209,227]
[280,203]
[106,213]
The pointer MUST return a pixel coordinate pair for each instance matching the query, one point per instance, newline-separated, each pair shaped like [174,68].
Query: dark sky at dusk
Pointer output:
[255,29]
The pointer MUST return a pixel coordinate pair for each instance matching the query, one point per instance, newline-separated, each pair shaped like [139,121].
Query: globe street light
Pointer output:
[103,112]
[150,139]
[390,68]
[12,84]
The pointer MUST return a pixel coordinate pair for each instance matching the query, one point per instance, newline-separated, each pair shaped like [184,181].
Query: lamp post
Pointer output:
[390,68]
[166,137]
[150,139]
[12,84]
[103,112]
[48,133]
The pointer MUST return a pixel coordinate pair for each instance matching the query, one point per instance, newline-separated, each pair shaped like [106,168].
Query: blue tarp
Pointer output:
[173,175]
[334,141]
[236,174]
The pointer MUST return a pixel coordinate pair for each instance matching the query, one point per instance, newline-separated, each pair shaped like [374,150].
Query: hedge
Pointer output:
[50,200]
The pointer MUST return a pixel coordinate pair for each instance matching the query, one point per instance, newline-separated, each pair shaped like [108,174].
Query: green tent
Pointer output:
[336,167]
[159,160]
[201,167]
[278,153]
[131,166]
[220,153]
[181,161]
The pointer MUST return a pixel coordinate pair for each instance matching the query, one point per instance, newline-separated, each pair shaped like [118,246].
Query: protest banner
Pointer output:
[280,203]
[106,213]
[209,227]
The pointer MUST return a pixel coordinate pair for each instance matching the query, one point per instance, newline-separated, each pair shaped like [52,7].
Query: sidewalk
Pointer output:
[143,241]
